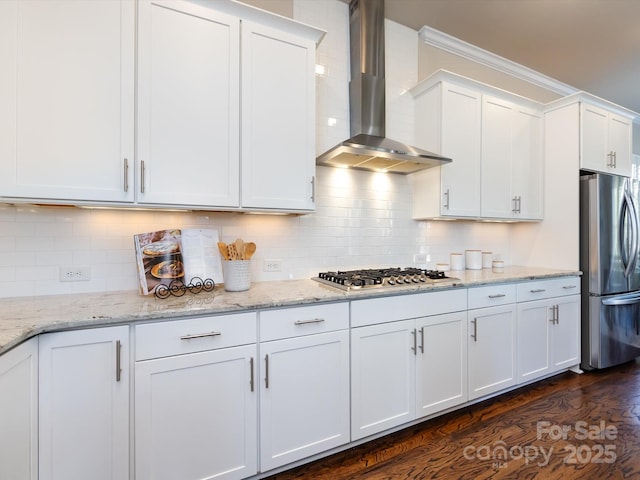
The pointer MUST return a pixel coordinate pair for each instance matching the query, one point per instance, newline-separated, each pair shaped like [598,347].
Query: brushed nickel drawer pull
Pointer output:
[474,335]
[538,290]
[498,295]
[306,322]
[200,335]
[569,287]
[422,339]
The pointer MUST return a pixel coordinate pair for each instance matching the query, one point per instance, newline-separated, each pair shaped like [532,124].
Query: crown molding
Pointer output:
[453,45]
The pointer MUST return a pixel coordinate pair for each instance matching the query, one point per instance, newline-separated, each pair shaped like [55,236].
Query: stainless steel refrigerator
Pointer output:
[609,242]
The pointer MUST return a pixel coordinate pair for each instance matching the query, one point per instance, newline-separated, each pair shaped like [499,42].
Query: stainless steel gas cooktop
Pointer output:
[384,277]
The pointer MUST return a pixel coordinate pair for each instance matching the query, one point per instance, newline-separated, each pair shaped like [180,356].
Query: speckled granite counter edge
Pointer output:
[24,317]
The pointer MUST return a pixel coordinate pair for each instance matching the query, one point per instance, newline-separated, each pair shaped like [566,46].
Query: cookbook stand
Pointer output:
[177,288]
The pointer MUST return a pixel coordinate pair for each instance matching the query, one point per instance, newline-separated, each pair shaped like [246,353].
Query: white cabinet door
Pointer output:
[460,182]
[19,412]
[382,377]
[497,141]
[196,415]
[565,333]
[620,138]
[605,141]
[441,362]
[491,353]
[534,324]
[188,105]
[67,101]
[304,397]
[594,154]
[278,119]
[84,404]
[527,165]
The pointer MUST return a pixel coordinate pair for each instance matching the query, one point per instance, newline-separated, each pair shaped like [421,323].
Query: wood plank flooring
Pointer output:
[566,427]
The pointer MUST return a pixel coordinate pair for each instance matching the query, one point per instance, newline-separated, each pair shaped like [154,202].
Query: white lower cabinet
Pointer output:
[84,404]
[196,399]
[304,382]
[19,412]
[382,377]
[406,369]
[441,362]
[548,327]
[491,339]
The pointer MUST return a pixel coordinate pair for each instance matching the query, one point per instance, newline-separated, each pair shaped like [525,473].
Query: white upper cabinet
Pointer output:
[512,167]
[188,105]
[527,164]
[278,119]
[497,151]
[605,140]
[225,103]
[66,98]
[448,121]
[495,141]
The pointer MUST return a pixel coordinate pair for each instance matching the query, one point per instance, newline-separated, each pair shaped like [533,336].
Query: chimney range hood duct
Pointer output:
[368,148]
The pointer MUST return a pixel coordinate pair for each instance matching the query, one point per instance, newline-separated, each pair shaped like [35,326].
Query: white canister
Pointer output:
[456,261]
[498,266]
[236,275]
[487,258]
[473,259]
[442,267]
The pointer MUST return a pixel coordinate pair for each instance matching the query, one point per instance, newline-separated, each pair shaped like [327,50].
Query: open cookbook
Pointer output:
[179,254]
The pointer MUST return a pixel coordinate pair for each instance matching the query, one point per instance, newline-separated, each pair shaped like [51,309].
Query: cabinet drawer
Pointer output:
[298,321]
[492,295]
[176,337]
[402,307]
[540,289]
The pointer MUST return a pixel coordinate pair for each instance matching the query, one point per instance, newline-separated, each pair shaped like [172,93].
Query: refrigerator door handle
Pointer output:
[635,245]
[627,299]
[628,253]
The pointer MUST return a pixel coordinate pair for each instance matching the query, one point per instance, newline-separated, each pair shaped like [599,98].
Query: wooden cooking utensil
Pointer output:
[223,250]
[249,250]
[239,244]
[233,253]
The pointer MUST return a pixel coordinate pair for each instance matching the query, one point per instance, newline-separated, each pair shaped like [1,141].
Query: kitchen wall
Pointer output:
[362,219]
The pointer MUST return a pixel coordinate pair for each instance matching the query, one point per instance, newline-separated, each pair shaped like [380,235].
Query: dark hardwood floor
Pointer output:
[566,427]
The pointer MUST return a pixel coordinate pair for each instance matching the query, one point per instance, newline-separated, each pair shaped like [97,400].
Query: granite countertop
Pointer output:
[24,317]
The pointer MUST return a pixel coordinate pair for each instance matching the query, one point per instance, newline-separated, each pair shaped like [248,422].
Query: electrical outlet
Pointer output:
[75,274]
[272,266]
[420,258]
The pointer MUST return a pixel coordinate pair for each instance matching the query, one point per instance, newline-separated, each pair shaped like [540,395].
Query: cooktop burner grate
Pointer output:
[383,277]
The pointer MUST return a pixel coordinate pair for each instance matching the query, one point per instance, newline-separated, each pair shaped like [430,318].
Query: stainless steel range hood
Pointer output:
[368,148]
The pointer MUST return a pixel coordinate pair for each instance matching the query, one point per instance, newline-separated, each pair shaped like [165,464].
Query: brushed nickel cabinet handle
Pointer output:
[538,290]
[126,175]
[266,371]
[497,295]
[313,189]
[200,335]
[422,340]
[307,322]
[141,176]
[474,335]
[251,378]
[446,194]
[414,349]
[118,360]
[569,287]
